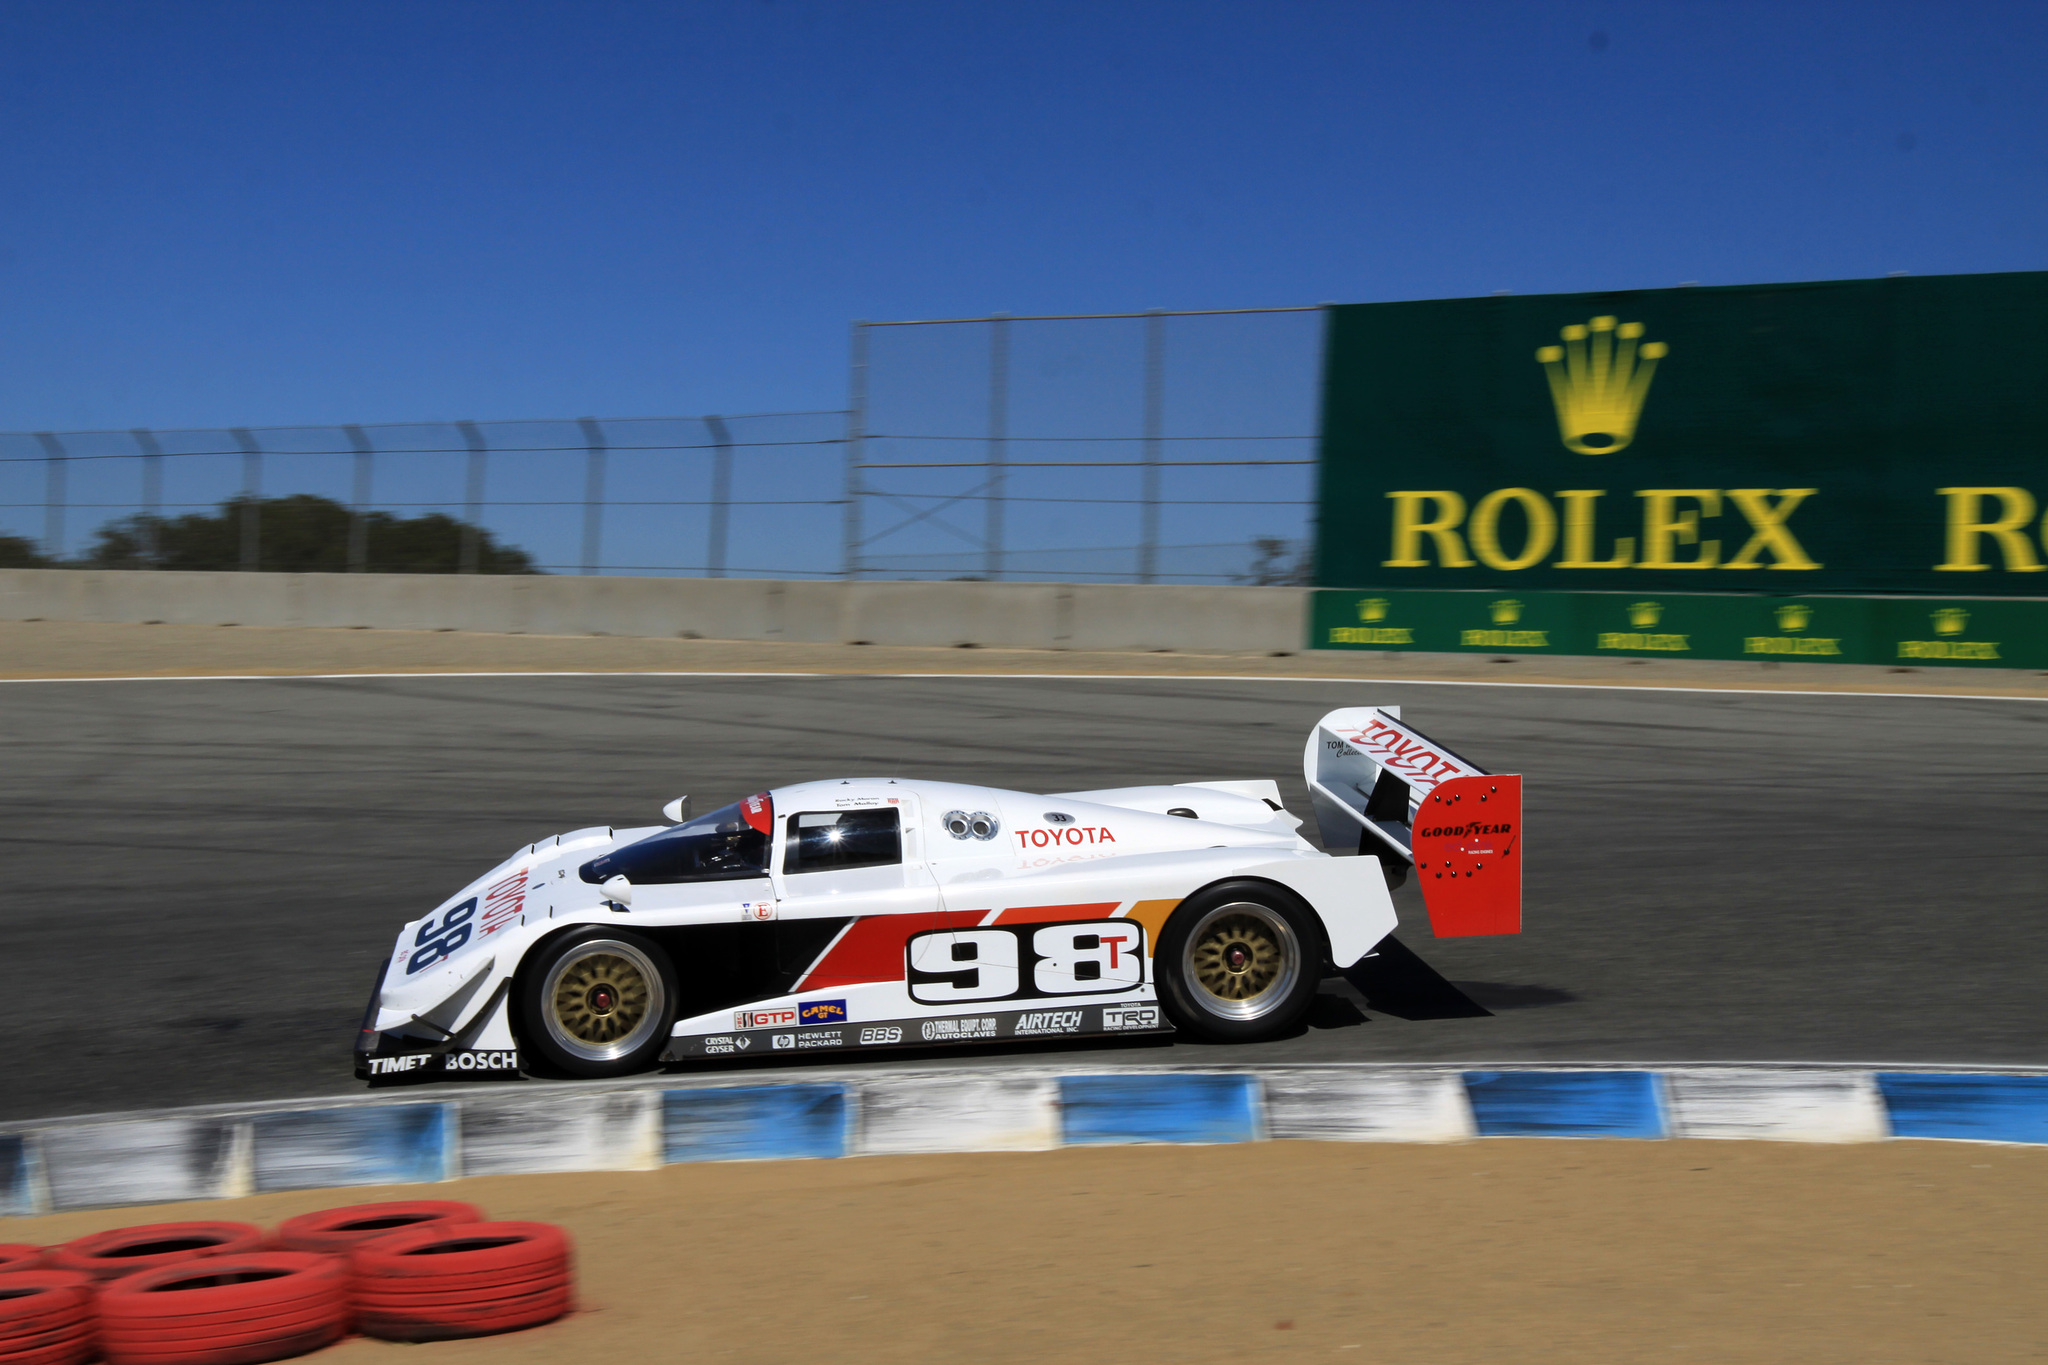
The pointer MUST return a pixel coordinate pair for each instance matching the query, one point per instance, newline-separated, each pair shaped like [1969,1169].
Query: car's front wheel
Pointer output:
[597,1002]
[1239,963]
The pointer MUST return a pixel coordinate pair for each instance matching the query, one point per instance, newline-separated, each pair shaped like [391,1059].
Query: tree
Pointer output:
[1270,556]
[19,552]
[302,533]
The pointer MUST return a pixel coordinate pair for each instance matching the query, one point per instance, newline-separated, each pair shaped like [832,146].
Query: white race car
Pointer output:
[880,912]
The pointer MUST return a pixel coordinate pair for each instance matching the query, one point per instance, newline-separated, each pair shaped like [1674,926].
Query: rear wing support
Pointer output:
[1369,776]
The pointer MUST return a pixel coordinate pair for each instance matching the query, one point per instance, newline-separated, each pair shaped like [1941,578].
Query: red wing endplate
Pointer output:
[1468,855]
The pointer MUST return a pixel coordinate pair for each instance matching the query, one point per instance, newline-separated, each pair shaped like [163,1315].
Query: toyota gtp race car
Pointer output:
[863,913]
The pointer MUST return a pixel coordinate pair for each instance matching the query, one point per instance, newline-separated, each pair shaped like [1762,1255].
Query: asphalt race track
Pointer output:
[200,876]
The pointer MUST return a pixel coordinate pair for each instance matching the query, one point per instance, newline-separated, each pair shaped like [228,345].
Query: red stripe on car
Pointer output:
[1052,914]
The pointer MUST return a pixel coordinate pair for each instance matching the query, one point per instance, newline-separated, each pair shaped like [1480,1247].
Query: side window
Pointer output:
[827,841]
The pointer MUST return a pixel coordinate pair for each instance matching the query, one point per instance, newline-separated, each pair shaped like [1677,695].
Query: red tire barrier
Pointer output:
[127,1251]
[335,1231]
[466,1280]
[19,1256]
[46,1318]
[225,1310]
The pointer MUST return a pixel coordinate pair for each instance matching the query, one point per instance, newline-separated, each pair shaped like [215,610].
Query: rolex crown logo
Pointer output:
[1506,611]
[1598,380]
[1950,621]
[1642,614]
[1794,616]
[1373,609]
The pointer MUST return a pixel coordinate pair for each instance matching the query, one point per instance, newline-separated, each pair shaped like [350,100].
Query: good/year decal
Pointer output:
[1093,957]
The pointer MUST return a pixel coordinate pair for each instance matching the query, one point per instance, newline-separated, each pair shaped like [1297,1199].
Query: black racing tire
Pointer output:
[1239,962]
[597,1001]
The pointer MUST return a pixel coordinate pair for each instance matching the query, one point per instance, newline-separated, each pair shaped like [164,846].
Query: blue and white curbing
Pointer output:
[224,1151]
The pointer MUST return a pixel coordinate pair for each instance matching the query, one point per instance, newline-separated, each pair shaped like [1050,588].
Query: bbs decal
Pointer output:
[440,936]
[1089,957]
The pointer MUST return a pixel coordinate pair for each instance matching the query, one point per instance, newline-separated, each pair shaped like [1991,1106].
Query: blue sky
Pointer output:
[301,212]
[310,213]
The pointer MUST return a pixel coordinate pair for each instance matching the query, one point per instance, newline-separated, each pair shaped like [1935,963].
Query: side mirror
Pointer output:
[677,810]
[618,889]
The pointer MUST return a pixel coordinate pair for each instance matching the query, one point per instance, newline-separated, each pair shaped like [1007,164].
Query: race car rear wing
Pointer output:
[1384,789]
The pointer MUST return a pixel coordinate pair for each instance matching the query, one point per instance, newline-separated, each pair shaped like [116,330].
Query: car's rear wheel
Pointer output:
[598,1002]
[1239,963]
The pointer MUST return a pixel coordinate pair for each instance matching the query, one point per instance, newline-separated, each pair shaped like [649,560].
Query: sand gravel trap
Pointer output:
[1485,1252]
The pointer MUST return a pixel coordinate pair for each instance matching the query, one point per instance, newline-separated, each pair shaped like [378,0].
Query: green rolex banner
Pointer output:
[1856,436]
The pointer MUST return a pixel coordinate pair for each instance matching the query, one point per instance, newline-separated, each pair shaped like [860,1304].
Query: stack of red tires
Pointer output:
[225,1294]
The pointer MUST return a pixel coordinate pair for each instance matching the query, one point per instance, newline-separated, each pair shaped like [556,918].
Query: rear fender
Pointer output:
[1348,895]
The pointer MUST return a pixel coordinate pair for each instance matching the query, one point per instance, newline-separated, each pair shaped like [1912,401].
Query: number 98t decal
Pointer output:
[1094,957]
[437,941]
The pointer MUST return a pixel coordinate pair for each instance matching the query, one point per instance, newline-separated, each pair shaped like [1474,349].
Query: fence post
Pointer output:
[473,500]
[358,521]
[998,439]
[152,497]
[856,445]
[252,491]
[1155,422]
[593,491]
[721,493]
[54,495]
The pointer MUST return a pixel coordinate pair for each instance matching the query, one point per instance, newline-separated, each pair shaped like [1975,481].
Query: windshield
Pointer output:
[727,843]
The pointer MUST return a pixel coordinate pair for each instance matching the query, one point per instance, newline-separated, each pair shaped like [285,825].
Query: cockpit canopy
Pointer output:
[728,843]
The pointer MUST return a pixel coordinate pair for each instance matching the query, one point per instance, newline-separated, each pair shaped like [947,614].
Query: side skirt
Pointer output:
[996,1026]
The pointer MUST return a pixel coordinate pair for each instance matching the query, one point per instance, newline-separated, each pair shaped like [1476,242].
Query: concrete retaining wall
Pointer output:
[1012,615]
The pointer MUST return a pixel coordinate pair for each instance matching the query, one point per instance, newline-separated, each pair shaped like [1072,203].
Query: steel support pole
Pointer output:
[593,492]
[856,439]
[359,504]
[472,500]
[152,497]
[721,494]
[1155,423]
[55,494]
[252,492]
[998,443]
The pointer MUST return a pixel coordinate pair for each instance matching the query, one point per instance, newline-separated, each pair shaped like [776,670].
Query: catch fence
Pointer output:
[1154,447]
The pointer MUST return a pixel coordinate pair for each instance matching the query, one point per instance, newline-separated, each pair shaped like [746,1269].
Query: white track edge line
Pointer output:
[1058,677]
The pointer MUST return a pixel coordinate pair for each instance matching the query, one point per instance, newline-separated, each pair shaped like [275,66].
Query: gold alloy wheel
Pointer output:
[602,1000]
[1243,960]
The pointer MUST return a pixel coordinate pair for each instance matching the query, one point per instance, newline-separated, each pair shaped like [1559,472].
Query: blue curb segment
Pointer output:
[16,1198]
[1156,1108]
[395,1144]
[207,1153]
[1611,1104]
[754,1122]
[1971,1108]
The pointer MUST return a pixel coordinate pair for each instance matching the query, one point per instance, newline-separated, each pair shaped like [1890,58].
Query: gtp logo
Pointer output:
[782,1018]
[822,1011]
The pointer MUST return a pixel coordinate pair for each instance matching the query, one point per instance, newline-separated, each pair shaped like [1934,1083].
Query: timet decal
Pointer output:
[1597,385]
[822,1011]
